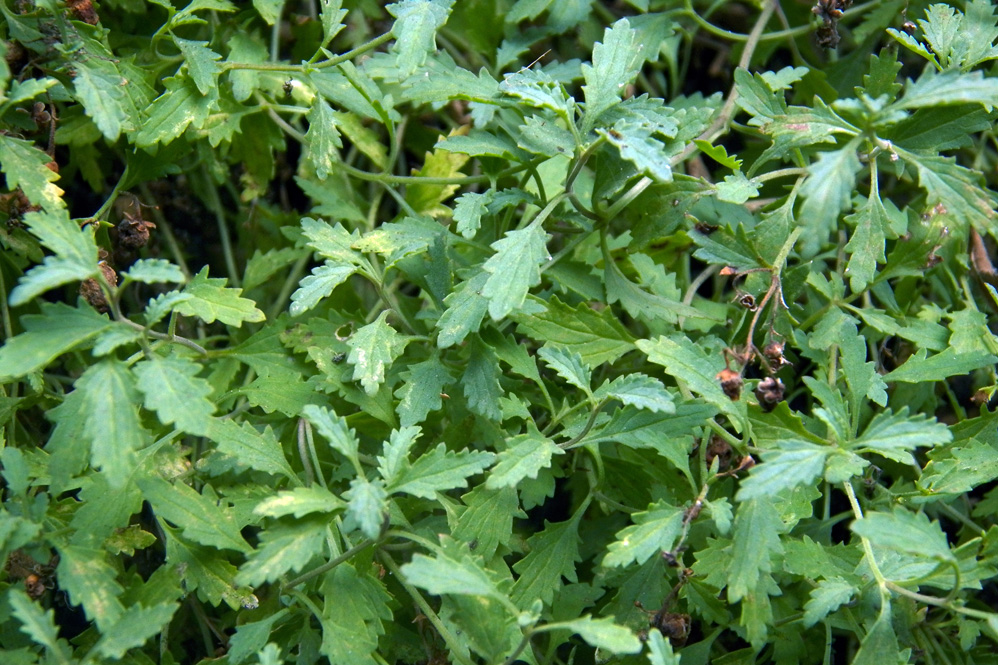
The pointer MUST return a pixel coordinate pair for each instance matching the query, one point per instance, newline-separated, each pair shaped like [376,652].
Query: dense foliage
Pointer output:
[495,330]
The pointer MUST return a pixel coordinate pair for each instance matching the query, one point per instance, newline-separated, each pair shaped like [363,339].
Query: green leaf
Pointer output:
[202,63]
[39,625]
[299,501]
[270,11]
[368,504]
[25,167]
[258,450]
[252,636]
[415,29]
[283,548]
[736,188]
[487,522]
[112,420]
[440,470]
[171,388]
[451,571]
[719,154]
[180,106]
[616,61]
[605,634]
[154,271]
[353,615]
[200,517]
[92,583]
[422,390]
[137,626]
[569,366]
[466,307]
[894,434]
[317,286]
[596,335]
[210,300]
[794,462]
[211,575]
[524,457]
[322,138]
[827,597]
[827,190]
[481,381]
[102,89]
[954,187]
[373,349]
[949,87]
[880,644]
[75,255]
[866,245]
[58,329]
[537,88]
[332,16]
[552,555]
[904,531]
[638,390]
[654,531]
[950,362]
[468,212]
[960,467]
[333,427]
[660,650]
[514,268]
[755,541]
[636,144]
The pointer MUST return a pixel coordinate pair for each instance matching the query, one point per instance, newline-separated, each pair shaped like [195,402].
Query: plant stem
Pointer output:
[329,565]
[867,548]
[332,62]
[303,427]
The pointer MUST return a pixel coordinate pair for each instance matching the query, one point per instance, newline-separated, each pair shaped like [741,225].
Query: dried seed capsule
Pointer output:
[769,392]
[91,291]
[133,232]
[731,383]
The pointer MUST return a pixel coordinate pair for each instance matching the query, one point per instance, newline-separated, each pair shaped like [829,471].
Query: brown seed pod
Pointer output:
[774,355]
[769,392]
[83,10]
[91,291]
[731,383]
[133,232]
[721,450]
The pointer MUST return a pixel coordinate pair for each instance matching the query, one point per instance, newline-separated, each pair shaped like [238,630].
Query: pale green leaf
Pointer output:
[536,88]
[596,335]
[396,453]
[793,462]
[893,435]
[880,644]
[258,450]
[211,300]
[524,457]
[173,390]
[299,502]
[92,583]
[827,597]
[154,271]
[440,470]
[904,531]
[283,548]
[25,167]
[552,555]
[332,18]
[112,421]
[333,427]
[202,63]
[252,636]
[203,569]
[736,188]
[200,517]
[660,650]
[487,522]
[368,505]
[353,616]
[181,105]
[756,539]
[452,573]
[514,268]
[317,286]
[468,211]
[688,363]
[39,625]
[101,89]
[919,368]
[75,254]
[615,64]
[373,349]
[415,29]
[639,390]
[270,11]
[654,531]
[568,366]
[466,307]
[422,390]
[605,634]
[138,625]
[58,329]
[322,138]
[481,380]
[827,191]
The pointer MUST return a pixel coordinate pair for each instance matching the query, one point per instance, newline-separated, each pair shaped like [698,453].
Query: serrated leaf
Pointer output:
[258,450]
[597,336]
[481,380]
[754,542]
[396,453]
[332,16]
[827,190]
[154,271]
[487,522]
[638,390]
[552,555]
[112,421]
[687,362]
[468,211]
[440,470]
[397,240]
[615,64]
[537,88]
[200,518]
[211,300]
[75,255]
[353,615]
[317,286]
[204,569]
[283,548]
[39,625]
[660,650]
[569,366]
[269,10]
[134,628]
[333,427]
[202,63]
[736,188]
[654,531]
[904,531]
[368,504]
[950,362]
[415,29]
[422,391]
[92,583]
[605,634]
[158,307]
[373,349]
[958,189]
[466,307]
[866,245]
[827,597]
[331,242]
[450,573]
[524,457]
[252,636]
[893,435]
[58,329]
[299,502]
[960,468]
[880,644]
[949,87]
[101,88]
[514,268]
[180,106]
[794,462]
[719,154]
[171,388]
[25,167]
[636,144]
[322,138]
